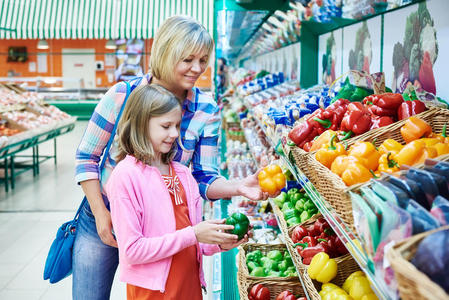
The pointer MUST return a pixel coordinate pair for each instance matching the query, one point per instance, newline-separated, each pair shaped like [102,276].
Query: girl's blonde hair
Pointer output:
[145,102]
[176,39]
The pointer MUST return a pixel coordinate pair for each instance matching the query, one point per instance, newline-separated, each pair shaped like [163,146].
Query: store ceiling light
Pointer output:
[42,45]
[110,44]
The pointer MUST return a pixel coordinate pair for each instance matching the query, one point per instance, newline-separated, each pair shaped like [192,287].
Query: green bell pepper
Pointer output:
[309,205]
[254,256]
[299,206]
[273,273]
[240,222]
[305,215]
[275,255]
[258,271]
[292,192]
[280,200]
[293,221]
[290,213]
[251,265]
[290,272]
[288,259]
[294,198]
[283,265]
[270,265]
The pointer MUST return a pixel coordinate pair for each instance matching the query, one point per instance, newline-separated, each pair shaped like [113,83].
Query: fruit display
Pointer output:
[27,119]
[274,264]
[355,287]
[363,160]
[5,130]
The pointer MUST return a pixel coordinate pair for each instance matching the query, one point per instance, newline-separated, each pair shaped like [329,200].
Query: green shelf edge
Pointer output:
[229,288]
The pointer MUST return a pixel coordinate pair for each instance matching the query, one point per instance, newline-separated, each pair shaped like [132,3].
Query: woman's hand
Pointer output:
[249,188]
[104,228]
[212,232]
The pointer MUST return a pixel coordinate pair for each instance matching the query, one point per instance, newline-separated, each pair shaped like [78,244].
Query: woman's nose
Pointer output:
[196,66]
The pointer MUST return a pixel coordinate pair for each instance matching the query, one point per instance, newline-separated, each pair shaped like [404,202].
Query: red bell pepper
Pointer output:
[378,122]
[309,252]
[332,116]
[307,146]
[259,292]
[386,104]
[357,119]
[340,247]
[318,227]
[303,133]
[286,295]
[410,108]
[298,233]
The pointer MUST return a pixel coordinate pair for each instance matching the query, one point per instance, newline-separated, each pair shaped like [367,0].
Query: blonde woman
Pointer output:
[180,54]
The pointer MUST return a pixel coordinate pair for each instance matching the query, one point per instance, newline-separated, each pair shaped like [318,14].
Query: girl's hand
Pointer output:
[212,232]
[226,247]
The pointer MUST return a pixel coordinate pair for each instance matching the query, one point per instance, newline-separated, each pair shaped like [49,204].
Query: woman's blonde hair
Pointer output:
[177,38]
[145,102]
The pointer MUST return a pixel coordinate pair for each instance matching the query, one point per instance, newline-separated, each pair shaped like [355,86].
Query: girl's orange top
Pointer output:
[183,280]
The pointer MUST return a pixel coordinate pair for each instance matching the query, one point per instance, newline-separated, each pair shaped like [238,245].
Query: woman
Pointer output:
[180,54]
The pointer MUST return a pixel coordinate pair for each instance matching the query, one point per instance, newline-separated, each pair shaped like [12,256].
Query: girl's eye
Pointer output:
[165,126]
[187,60]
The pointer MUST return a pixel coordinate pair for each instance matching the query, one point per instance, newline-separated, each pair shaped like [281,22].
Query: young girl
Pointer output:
[155,203]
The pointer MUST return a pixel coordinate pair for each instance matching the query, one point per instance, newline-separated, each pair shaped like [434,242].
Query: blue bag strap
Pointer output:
[129,89]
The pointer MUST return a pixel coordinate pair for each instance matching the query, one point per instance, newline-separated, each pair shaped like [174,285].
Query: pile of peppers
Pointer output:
[317,238]
[355,287]
[296,206]
[363,160]
[274,264]
[261,292]
[347,119]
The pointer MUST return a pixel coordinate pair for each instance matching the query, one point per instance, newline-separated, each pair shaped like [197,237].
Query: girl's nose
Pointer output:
[174,133]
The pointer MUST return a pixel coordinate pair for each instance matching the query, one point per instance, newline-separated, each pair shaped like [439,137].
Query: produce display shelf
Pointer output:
[340,228]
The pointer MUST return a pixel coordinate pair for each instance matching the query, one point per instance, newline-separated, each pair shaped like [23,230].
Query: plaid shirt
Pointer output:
[199,134]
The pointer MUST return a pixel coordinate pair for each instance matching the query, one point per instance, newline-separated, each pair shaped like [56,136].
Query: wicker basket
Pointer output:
[331,186]
[346,266]
[283,223]
[275,288]
[264,248]
[413,284]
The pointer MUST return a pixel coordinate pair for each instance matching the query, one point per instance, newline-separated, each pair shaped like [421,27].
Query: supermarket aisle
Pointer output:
[29,218]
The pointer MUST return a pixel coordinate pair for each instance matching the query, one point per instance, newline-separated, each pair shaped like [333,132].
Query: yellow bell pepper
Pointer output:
[415,128]
[323,139]
[337,294]
[430,141]
[356,173]
[387,164]
[411,154]
[360,287]
[341,163]
[442,148]
[371,296]
[350,280]
[390,145]
[322,268]
[329,152]
[367,151]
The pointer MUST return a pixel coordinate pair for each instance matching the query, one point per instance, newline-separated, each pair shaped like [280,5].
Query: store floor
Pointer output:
[29,218]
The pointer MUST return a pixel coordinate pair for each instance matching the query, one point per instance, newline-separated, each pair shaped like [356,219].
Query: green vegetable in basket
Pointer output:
[288,258]
[283,266]
[258,272]
[309,205]
[299,206]
[290,214]
[292,192]
[254,256]
[294,198]
[251,265]
[273,273]
[270,265]
[305,215]
[287,206]
[275,255]
[280,200]
[290,272]
[293,221]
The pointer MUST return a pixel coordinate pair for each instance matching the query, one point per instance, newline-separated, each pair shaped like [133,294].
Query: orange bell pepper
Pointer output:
[429,152]
[356,173]
[329,152]
[323,139]
[387,164]
[430,141]
[415,128]
[271,179]
[411,154]
[367,151]
[341,163]
[442,148]
[390,145]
